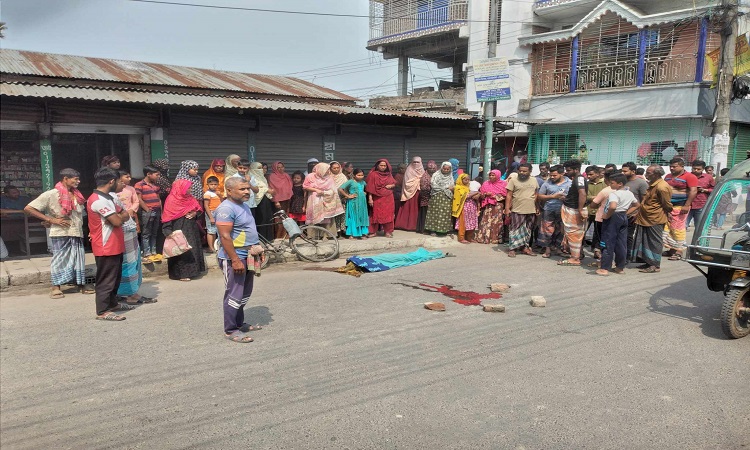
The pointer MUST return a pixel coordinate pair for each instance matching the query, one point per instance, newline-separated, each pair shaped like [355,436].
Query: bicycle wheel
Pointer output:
[316,244]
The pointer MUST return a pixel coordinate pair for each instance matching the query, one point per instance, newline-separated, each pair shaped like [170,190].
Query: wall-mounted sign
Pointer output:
[48,177]
[491,79]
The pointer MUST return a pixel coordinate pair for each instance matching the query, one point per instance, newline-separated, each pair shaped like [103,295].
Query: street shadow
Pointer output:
[150,289]
[696,304]
[259,315]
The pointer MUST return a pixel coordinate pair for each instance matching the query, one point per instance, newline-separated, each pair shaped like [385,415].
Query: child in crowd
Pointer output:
[357,220]
[243,167]
[150,213]
[211,201]
[621,204]
[299,198]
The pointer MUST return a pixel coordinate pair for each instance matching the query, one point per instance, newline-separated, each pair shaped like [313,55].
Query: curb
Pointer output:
[35,271]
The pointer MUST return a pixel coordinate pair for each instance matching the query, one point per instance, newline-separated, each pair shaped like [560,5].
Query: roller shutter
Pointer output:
[363,149]
[439,148]
[292,146]
[190,138]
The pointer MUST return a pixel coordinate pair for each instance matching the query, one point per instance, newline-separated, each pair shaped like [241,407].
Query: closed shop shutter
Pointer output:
[439,148]
[363,149]
[739,145]
[18,110]
[292,146]
[204,144]
[102,114]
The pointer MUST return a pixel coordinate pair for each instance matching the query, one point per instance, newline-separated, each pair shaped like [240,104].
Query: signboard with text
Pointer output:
[491,79]
[48,177]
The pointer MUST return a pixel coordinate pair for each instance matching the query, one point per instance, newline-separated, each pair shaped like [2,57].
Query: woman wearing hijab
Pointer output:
[216,170]
[408,215]
[438,218]
[399,177]
[424,194]
[492,203]
[380,184]
[231,165]
[181,211]
[338,180]
[163,181]
[464,208]
[281,184]
[454,168]
[263,211]
[323,202]
[189,171]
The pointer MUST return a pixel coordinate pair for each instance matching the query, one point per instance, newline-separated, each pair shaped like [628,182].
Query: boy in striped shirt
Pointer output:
[150,213]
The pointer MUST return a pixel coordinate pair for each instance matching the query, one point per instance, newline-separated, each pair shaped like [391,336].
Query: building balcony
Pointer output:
[393,21]
[596,77]
[556,10]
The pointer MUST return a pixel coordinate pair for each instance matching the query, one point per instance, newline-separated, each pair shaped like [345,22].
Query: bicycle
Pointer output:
[308,242]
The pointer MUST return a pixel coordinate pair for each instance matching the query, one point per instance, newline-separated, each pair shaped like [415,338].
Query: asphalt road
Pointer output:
[624,362]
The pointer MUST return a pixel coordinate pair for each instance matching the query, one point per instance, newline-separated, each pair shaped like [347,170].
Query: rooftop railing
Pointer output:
[401,17]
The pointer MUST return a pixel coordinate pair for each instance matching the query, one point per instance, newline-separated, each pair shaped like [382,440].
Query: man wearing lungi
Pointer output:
[237,233]
[650,220]
[62,209]
[684,190]
[521,208]
[574,213]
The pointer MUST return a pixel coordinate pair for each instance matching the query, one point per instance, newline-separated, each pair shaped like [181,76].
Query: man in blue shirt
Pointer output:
[12,202]
[237,233]
[550,226]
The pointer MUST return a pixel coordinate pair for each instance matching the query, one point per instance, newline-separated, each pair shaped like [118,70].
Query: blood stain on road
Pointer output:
[466,298]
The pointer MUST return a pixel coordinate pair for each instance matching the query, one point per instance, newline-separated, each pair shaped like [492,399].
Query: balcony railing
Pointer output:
[605,76]
[552,82]
[406,18]
[657,70]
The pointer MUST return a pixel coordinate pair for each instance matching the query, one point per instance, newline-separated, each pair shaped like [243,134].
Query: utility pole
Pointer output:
[489,107]
[720,147]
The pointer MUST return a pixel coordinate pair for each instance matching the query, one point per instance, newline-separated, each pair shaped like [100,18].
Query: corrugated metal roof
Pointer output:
[84,68]
[205,101]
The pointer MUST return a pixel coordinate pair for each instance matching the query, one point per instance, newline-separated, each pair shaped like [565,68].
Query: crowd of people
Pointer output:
[620,214]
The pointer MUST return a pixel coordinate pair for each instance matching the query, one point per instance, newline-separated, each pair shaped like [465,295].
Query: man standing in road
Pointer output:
[107,243]
[574,213]
[684,190]
[650,221]
[543,173]
[550,225]
[705,186]
[595,186]
[237,232]
[62,208]
[638,186]
[521,209]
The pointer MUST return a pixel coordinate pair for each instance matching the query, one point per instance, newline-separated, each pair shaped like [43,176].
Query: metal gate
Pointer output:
[363,149]
[439,148]
[203,139]
[292,146]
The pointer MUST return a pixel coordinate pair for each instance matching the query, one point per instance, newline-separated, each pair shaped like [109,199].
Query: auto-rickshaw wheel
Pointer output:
[735,324]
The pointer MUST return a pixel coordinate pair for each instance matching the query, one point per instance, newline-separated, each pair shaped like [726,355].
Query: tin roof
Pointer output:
[20,89]
[21,62]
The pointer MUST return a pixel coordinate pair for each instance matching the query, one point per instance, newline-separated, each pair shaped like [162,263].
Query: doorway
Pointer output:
[84,151]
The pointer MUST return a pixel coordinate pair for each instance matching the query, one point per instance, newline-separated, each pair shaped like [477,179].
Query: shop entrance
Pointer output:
[84,152]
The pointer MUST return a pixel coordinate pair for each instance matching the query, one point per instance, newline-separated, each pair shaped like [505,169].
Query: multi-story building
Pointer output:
[603,80]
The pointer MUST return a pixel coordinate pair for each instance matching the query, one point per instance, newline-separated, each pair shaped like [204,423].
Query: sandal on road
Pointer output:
[247,327]
[511,254]
[239,337]
[141,300]
[56,293]
[602,272]
[87,290]
[650,269]
[111,317]
[528,253]
[566,262]
[123,307]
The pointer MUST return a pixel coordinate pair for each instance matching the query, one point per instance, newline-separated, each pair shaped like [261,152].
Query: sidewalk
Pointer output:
[35,271]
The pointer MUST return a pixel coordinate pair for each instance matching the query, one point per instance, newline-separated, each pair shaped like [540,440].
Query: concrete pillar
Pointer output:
[159,146]
[135,151]
[403,75]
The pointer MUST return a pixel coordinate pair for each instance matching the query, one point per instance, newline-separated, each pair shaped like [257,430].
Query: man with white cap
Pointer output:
[311,163]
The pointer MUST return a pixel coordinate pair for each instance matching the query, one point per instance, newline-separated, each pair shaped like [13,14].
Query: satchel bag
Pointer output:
[176,244]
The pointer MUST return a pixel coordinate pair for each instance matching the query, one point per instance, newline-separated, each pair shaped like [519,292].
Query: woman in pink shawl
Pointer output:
[323,202]
[281,183]
[181,212]
[491,201]
[408,213]
[380,184]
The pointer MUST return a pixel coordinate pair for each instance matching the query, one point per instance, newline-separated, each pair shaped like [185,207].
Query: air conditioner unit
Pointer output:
[524,105]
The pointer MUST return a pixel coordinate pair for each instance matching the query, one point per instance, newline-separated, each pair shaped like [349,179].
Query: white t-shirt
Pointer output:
[624,199]
[49,203]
